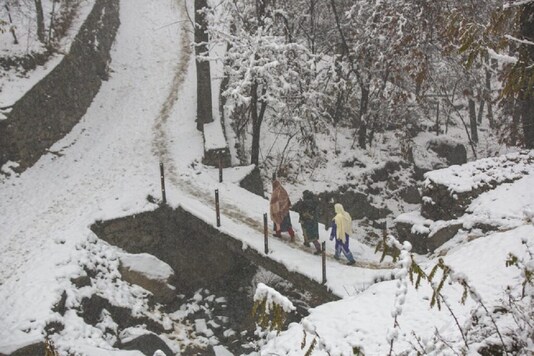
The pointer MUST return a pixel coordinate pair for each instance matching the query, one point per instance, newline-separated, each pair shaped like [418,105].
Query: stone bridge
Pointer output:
[200,254]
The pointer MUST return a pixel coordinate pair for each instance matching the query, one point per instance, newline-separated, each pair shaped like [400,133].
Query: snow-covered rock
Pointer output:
[448,192]
[150,273]
[451,150]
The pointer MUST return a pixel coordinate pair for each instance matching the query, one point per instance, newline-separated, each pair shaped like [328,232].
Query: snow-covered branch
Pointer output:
[272,297]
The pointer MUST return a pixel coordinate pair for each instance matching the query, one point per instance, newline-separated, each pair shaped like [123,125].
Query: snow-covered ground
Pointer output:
[14,83]
[366,320]
[109,164]
[107,167]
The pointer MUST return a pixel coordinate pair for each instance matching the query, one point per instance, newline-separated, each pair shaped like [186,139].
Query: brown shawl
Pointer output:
[280,203]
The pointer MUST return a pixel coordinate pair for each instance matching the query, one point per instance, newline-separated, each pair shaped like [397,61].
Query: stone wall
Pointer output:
[53,106]
[200,255]
[216,157]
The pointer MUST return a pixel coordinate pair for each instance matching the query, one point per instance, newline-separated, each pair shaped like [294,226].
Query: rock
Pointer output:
[253,183]
[382,174]
[454,152]
[425,161]
[352,162]
[220,350]
[59,307]
[92,308]
[150,273]
[448,193]
[216,156]
[417,238]
[442,235]
[438,152]
[91,312]
[81,281]
[410,195]
[425,235]
[148,344]
[53,327]
[439,203]
[36,349]
[357,205]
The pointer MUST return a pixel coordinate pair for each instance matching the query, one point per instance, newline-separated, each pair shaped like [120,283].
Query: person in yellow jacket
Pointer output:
[341,229]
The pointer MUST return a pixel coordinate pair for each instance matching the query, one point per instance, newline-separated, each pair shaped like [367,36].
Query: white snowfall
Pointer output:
[108,166]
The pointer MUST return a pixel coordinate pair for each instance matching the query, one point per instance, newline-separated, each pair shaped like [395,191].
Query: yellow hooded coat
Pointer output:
[343,222]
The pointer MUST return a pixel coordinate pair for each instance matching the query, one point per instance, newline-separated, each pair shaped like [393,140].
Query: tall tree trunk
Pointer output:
[362,130]
[437,118]
[527,118]
[257,119]
[12,28]
[257,116]
[480,111]
[312,26]
[204,106]
[487,96]
[256,129]
[516,119]
[526,95]
[40,21]
[52,18]
[473,120]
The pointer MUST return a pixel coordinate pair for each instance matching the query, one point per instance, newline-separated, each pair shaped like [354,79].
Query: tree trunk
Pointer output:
[257,116]
[526,95]
[312,26]
[52,18]
[527,118]
[12,28]
[40,21]
[516,118]
[257,119]
[487,96]
[204,106]
[437,118]
[473,120]
[362,130]
[480,111]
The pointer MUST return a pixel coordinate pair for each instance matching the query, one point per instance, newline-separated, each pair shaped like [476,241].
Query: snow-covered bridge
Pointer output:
[202,254]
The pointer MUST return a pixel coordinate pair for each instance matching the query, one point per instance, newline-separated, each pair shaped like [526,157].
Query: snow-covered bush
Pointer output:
[270,311]
[481,330]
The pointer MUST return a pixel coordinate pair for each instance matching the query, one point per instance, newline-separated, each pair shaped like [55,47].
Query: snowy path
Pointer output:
[108,165]
[110,148]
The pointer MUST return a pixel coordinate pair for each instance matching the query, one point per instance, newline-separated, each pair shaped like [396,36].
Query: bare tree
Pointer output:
[526,54]
[12,28]
[204,106]
[473,120]
[40,21]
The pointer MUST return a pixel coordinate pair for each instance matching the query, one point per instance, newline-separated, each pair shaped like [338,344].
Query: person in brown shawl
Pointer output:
[279,206]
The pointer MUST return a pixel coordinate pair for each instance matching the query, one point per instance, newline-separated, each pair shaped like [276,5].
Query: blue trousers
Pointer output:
[343,247]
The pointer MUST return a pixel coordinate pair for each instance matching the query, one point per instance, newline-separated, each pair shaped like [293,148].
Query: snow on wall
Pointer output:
[467,177]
